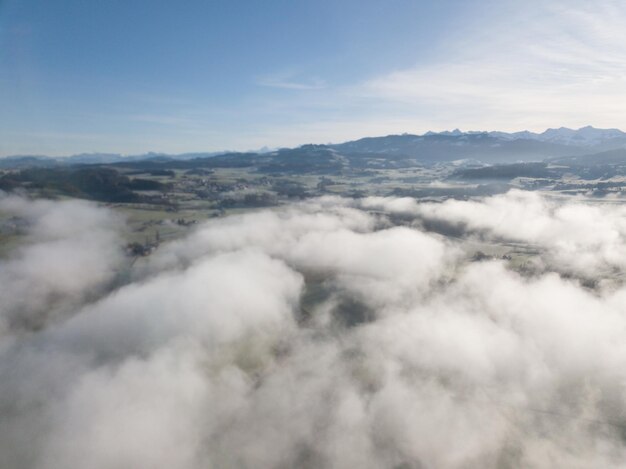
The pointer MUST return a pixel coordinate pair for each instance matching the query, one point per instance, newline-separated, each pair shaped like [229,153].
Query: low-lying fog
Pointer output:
[332,333]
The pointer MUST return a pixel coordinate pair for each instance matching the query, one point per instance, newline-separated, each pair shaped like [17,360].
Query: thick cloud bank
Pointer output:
[582,238]
[333,333]
[73,251]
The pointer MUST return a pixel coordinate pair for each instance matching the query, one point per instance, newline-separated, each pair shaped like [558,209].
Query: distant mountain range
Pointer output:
[392,150]
[491,147]
[29,161]
[585,136]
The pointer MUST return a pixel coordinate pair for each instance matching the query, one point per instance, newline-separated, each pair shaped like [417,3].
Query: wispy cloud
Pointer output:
[290,82]
[538,65]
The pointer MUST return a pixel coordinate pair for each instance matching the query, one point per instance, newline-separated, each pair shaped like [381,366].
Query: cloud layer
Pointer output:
[332,333]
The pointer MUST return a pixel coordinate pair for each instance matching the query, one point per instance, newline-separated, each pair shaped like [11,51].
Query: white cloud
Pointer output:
[581,237]
[291,81]
[205,358]
[526,65]
[72,252]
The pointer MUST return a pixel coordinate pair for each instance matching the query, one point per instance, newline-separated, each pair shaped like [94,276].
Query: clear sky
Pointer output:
[131,76]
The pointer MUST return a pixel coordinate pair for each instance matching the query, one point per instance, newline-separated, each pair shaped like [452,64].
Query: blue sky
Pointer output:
[137,75]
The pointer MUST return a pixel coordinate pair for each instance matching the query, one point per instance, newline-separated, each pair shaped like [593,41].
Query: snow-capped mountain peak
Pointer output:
[584,136]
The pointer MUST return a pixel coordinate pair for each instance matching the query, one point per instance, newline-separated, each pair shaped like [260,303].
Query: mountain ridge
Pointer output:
[430,147]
